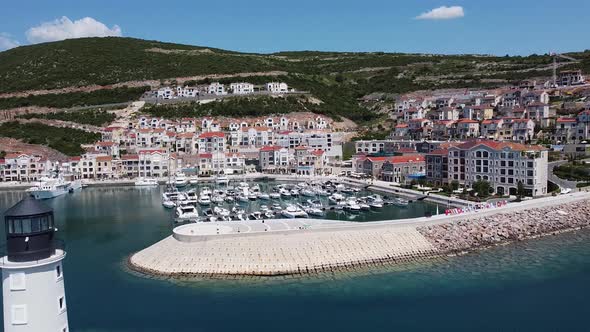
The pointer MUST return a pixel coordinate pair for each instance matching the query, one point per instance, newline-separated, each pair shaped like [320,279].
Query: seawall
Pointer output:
[281,247]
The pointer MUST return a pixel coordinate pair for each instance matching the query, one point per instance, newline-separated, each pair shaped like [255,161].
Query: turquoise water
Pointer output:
[540,285]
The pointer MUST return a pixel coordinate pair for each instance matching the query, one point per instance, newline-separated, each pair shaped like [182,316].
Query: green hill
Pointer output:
[337,79]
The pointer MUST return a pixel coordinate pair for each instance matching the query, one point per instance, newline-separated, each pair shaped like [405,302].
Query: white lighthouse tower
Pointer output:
[32,273]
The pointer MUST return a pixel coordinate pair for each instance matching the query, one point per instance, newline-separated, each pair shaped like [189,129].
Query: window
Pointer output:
[61,304]
[58,273]
[19,314]
[17,281]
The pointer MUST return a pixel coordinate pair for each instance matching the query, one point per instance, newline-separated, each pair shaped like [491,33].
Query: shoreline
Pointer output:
[343,247]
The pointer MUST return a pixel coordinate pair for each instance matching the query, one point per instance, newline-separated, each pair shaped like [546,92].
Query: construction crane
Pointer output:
[555,56]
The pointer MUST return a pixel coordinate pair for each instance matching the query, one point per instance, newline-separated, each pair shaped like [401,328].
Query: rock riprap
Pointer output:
[506,227]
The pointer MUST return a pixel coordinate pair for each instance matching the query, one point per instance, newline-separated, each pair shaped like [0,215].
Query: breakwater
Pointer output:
[260,249]
[474,233]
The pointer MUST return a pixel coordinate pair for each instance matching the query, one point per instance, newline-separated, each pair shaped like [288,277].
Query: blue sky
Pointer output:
[491,27]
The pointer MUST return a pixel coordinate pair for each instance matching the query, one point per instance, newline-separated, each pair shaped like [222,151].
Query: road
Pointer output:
[558,181]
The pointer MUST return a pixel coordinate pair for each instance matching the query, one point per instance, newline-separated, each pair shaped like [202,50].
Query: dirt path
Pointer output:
[152,83]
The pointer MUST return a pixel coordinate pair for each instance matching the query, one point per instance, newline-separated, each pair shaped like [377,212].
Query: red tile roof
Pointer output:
[270,148]
[566,120]
[415,158]
[212,134]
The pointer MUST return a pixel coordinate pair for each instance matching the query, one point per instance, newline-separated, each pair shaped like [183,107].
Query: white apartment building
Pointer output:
[241,88]
[165,93]
[277,87]
[217,89]
[212,142]
[24,167]
[502,164]
[187,92]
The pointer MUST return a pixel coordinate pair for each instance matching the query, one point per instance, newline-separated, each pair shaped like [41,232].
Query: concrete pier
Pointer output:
[300,246]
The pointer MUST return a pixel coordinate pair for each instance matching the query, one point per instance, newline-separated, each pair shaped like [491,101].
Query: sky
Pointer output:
[515,27]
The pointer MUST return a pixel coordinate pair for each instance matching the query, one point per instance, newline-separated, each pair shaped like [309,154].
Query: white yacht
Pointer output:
[187,212]
[336,198]
[222,179]
[352,206]
[308,192]
[275,195]
[180,180]
[204,199]
[292,211]
[146,182]
[264,196]
[50,188]
[193,180]
[284,193]
[398,201]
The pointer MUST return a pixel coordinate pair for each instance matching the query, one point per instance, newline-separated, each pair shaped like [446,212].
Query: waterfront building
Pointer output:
[437,167]
[402,169]
[273,159]
[23,167]
[165,93]
[32,272]
[502,164]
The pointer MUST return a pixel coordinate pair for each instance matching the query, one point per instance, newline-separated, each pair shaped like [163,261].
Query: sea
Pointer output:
[537,285]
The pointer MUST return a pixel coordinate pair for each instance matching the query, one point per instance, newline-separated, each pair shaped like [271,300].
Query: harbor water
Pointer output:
[538,285]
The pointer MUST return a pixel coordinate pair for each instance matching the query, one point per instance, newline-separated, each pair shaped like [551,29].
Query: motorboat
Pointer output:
[285,193]
[293,211]
[252,197]
[206,191]
[146,182]
[256,215]
[264,196]
[193,180]
[187,212]
[221,212]
[308,193]
[50,188]
[294,192]
[168,204]
[398,201]
[204,199]
[242,198]
[217,199]
[336,198]
[180,180]
[314,211]
[222,179]
[191,197]
[352,206]
[375,201]
[275,195]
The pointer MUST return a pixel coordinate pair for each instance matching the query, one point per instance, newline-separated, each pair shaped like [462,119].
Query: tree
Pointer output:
[520,191]
[454,185]
[482,188]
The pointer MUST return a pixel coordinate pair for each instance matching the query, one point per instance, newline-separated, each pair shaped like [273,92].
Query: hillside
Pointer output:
[336,79]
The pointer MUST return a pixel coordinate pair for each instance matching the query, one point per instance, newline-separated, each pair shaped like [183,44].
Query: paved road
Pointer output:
[558,181]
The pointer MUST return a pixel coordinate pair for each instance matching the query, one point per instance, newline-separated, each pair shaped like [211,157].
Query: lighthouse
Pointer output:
[32,273]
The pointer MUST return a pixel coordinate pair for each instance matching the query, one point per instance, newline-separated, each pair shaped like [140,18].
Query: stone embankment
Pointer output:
[272,248]
[482,232]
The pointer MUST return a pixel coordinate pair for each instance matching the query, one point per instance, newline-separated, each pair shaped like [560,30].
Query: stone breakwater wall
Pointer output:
[297,252]
[482,232]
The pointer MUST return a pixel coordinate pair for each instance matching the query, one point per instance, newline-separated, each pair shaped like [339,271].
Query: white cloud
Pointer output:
[64,28]
[6,42]
[442,13]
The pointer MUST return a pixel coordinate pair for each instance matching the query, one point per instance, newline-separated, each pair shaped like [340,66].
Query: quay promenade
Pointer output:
[282,247]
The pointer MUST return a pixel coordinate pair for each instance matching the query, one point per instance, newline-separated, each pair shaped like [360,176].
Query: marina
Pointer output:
[103,226]
[263,199]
